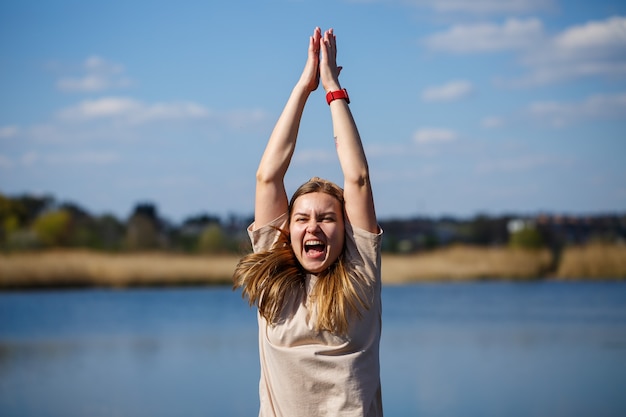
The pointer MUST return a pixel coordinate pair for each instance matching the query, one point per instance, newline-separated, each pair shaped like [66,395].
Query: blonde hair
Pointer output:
[269,278]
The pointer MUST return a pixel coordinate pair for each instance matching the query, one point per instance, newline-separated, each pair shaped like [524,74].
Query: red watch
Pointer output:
[334,95]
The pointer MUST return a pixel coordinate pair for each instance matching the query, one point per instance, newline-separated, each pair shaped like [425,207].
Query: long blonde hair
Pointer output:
[270,277]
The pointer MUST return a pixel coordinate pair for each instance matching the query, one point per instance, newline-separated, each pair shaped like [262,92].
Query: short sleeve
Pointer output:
[363,251]
[265,236]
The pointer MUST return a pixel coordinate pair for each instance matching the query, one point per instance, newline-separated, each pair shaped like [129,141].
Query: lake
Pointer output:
[478,349]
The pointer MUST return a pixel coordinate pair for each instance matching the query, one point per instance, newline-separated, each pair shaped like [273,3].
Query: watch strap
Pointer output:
[338,94]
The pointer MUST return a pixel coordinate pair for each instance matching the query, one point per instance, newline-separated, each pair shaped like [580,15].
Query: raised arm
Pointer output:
[359,201]
[271,198]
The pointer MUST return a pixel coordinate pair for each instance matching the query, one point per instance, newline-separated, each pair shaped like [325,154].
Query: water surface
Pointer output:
[481,349]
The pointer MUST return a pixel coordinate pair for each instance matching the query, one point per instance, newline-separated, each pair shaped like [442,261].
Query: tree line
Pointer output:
[40,222]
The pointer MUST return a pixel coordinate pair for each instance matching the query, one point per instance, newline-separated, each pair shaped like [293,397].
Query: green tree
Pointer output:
[527,237]
[213,239]
[52,228]
[110,232]
[142,233]
[9,218]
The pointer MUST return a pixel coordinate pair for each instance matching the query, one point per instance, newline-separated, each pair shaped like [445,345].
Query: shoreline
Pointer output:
[81,269]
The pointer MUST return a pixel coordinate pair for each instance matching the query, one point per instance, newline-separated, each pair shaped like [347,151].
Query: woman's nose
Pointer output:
[312,226]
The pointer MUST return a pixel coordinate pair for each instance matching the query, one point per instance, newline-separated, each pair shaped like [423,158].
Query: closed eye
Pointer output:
[327,218]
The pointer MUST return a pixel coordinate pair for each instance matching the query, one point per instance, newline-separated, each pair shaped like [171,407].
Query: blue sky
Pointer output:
[464,107]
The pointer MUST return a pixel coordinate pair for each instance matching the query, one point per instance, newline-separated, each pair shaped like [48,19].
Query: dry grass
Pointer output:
[465,263]
[593,261]
[87,269]
[83,268]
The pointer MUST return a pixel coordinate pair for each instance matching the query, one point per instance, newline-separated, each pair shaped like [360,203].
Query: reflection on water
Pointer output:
[485,349]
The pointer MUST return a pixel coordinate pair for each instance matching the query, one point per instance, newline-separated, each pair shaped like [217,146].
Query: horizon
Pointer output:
[464,108]
[245,216]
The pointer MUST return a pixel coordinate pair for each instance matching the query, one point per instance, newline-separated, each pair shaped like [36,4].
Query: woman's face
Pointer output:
[316,229]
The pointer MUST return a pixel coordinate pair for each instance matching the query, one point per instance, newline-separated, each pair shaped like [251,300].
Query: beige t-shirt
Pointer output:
[305,372]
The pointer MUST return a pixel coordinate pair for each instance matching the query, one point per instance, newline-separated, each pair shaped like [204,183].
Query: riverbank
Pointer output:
[76,269]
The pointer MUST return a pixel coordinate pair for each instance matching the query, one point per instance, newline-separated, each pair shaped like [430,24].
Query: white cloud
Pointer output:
[490,6]
[172,111]
[121,112]
[454,90]
[596,48]
[242,119]
[596,107]
[434,135]
[476,7]
[88,83]
[101,108]
[492,122]
[126,119]
[8,131]
[610,34]
[514,34]
[99,75]
[86,157]
[99,64]
[132,111]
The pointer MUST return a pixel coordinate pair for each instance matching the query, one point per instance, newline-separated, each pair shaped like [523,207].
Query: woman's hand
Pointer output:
[329,71]
[310,77]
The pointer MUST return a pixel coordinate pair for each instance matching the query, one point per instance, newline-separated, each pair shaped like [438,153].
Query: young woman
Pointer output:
[315,271]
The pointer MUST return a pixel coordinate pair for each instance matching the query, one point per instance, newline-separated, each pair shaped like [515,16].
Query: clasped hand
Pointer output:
[322,62]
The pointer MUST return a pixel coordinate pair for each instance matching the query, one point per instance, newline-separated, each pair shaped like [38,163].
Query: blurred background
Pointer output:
[464,107]
[130,133]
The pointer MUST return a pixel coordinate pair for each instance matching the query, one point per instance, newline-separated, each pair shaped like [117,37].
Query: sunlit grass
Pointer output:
[79,268]
[466,263]
[593,261]
[84,268]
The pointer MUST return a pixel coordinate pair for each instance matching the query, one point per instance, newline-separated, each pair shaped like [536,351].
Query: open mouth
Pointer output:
[314,248]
